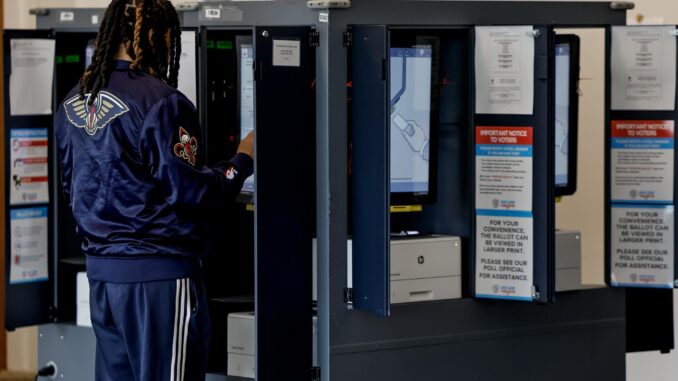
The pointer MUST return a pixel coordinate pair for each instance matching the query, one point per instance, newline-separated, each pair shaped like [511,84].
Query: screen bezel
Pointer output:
[245,196]
[403,39]
[573,42]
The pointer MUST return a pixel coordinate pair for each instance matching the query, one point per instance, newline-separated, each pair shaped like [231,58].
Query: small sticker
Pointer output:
[231,173]
[95,19]
[286,53]
[212,13]
[66,16]
[324,17]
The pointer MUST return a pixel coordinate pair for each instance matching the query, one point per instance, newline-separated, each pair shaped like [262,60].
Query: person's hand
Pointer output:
[247,145]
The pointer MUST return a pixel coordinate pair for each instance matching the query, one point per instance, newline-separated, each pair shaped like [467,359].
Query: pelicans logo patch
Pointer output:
[187,147]
[93,118]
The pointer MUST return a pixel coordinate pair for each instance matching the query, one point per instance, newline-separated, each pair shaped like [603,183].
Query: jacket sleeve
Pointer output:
[171,146]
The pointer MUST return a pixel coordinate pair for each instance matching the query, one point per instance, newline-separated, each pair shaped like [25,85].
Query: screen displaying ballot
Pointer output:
[247,100]
[562,113]
[410,115]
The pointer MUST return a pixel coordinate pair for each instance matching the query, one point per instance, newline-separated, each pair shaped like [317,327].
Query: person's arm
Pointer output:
[171,147]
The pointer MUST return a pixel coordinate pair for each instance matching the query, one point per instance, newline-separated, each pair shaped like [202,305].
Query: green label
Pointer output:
[59,60]
[224,44]
[209,44]
[73,58]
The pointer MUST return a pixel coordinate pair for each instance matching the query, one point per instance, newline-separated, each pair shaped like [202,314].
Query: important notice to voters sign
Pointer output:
[29,170]
[642,246]
[642,161]
[504,220]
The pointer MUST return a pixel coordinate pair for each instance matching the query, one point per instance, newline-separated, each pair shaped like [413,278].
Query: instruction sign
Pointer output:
[642,161]
[504,63]
[504,220]
[504,256]
[29,170]
[643,68]
[286,53]
[504,168]
[28,240]
[642,246]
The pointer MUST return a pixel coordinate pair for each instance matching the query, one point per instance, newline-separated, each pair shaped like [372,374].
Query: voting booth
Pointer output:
[221,58]
[413,152]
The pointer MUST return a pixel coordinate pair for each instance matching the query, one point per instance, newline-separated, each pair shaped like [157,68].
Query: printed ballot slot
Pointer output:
[641,160]
[409,131]
[513,241]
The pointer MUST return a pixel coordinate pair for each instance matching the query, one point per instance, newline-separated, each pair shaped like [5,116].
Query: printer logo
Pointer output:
[495,288]
[495,203]
[633,193]
[421,260]
[634,277]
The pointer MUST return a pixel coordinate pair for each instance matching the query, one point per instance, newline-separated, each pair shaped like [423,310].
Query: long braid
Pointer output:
[111,44]
[140,26]
[175,49]
[138,31]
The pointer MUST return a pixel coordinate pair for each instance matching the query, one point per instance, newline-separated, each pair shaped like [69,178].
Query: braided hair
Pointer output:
[151,34]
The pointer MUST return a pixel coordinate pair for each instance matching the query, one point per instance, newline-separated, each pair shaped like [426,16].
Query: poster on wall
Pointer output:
[504,67]
[28,245]
[642,246]
[643,67]
[504,219]
[642,161]
[29,170]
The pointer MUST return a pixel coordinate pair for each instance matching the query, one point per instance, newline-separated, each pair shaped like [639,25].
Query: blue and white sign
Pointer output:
[28,240]
[504,220]
[642,157]
[642,250]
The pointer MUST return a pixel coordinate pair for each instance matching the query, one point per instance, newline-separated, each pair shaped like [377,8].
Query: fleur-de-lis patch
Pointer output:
[187,147]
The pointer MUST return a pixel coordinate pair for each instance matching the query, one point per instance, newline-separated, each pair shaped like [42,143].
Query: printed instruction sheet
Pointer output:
[32,75]
[643,68]
[504,62]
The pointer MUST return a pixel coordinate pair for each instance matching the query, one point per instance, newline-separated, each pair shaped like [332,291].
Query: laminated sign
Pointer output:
[504,220]
[642,161]
[642,214]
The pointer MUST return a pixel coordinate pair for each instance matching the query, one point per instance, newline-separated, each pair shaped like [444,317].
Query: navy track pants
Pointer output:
[152,331]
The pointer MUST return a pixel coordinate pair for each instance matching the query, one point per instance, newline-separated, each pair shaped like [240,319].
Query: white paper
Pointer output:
[642,246]
[504,257]
[504,168]
[504,62]
[28,229]
[642,161]
[286,53]
[188,67]
[30,84]
[643,68]
[29,171]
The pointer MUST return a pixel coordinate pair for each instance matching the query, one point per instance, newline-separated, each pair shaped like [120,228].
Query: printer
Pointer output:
[568,260]
[241,341]
[424,268]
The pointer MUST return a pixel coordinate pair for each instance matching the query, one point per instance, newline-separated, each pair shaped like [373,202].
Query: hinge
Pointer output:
[348,295]
[38,11]
[622,5]
[348,38]
[314,39]
[315,373]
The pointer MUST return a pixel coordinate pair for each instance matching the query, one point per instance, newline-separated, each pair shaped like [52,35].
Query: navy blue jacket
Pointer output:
[133,171]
